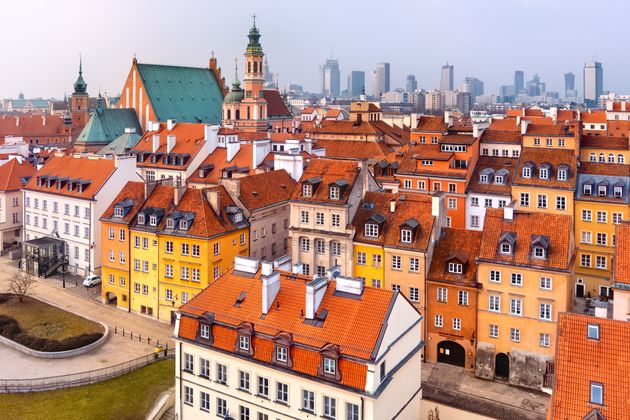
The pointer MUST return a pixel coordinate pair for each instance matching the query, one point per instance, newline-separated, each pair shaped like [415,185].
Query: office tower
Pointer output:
[380,79]
[446,82]
[507,90]
[519,81]
[411,83]
[356,83]
[464,102]
[593,82]
[331,78]
[433,101]
[569,81]
[533,86]
[473,86]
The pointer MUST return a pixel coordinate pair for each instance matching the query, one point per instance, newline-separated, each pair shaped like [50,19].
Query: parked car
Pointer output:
[92,281]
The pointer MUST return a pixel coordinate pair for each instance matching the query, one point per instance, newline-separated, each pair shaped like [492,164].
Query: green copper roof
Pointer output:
[186,94]
[254,47]
[80,86]
[122,145]
[107,124]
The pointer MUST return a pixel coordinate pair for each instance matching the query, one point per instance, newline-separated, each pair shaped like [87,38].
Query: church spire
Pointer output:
[80,86]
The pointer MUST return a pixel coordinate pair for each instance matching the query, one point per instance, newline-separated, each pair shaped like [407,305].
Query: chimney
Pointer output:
[518,121]
[349,285]
[508,211]
[392,206]
[156,143]
[524,124]
[148,188]
[315,291]
[297,268]
[17,121]
[601,308]
[233,146]
[178,193]
[210,136]
[44,120]
[130,130]
[437,204]
[232,185]
[270,285]
[214,198]
[246,264]
[170,124]
[170,143]
[282,263]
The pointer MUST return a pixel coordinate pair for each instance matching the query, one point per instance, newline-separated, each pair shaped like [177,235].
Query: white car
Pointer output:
[92,281]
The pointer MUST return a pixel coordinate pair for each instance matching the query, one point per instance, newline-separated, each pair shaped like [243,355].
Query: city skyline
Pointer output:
[107,56]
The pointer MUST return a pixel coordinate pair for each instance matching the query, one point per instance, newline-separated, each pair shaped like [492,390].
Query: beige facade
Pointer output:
[10,218]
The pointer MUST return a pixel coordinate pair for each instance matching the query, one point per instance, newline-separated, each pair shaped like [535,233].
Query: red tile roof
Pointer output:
[462,245]
[262,190]
[580,361]
[554,157]
[189,140]
[496,163]
[504,124]
[131,191]
[457,139]
[557,228]
[217,160]
[563,130]
[352,149]
[501,136]
[622,254]
[605,142]
[97,171]
[321,173]
[276,108]
[31,126]
[12,173]
[593,117]
[431,123]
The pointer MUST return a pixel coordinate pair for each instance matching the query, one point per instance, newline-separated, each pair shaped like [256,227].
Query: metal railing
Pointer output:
[83,378]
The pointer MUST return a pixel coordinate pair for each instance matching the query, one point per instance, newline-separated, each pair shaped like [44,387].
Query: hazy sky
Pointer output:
[489,39]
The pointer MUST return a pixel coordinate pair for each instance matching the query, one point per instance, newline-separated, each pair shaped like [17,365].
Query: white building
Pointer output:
[13,175]
[260,343]
[65,200]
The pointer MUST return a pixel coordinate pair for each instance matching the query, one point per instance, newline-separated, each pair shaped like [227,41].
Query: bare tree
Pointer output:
[434,414]
[20,285]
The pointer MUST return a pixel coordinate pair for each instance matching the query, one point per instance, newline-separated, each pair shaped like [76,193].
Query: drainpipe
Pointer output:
[362,408]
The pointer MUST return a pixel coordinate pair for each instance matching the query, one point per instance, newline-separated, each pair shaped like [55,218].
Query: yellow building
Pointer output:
[115,245]
[198,242]
[605,149]
[552,136]
[601,203]
[544,181]
[525,269]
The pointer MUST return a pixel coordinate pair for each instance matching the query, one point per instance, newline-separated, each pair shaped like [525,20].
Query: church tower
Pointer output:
[79,100]
[253,110]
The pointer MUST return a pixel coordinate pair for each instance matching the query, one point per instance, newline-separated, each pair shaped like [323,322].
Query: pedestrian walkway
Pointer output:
[459,388]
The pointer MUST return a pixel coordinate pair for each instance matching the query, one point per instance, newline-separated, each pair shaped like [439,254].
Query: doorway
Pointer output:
[452,353]
[502,366]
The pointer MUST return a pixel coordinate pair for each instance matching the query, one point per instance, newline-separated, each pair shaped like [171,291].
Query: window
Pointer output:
[195,250]
[515,335]
[145,289]
[455,268]
[121,257]
[188,395]
[243,342]
[544,173]
[112,279]
[189,362]
[205,401]
[586,237]
[330,366]
[336,220]
[585,260]
[112,257]
[282,354]
[169,247]
[462,297]
[376,260]
[204,331]
[195,274]
[319,218]
[516,307]
[506,248]
[334,193]
[597,393]
[330,407]
[494,303]
[442,294]
[561,202]
[452,203]
[616,218]
[414,264]
[495,276]
[587,215]
[527,172]
[396,287]
[422,185]
[110,233]
[320,246]
[474,221]
[263,386]
[222,408]
[371,230]
[221,373]
[243,411]
[307,190]
[600,262]
[487,202]
[308,401]
[243,380]
[439,321]
[136,264]
[517,279]
[437,186]
[184,273]
[361,258]
[185,249]
[602,217]
[184,297]
[457,324]
[335,248]
[545,340]
[153,220]
[562,175]
[396,262]
[414,294]
[493,331]
[169,294]
[405,236]
[542,201]
[282,392]
[545,311]
[545,283]
[407,183]
[474,201]
[121,235]
[241,239]
[352,411]
[602,239]
[305,244]
[168,270]
[304,216]
[592,331]
[525,199]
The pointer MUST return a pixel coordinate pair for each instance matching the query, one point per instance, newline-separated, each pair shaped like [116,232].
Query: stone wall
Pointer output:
[484,368]
[527,369]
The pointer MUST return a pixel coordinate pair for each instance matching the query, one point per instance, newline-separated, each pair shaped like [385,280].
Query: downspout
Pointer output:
[90,240]
[362,408]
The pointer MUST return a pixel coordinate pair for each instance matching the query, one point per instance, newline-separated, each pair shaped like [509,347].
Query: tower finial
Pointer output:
[80,63]
[254,17]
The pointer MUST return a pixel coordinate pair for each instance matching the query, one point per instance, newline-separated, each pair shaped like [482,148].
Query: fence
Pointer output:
[83,378]
[138,337]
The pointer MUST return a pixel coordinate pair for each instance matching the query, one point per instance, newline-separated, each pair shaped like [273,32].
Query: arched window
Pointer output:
[229,114]
[261,112]
[611,158]
[249,67]
[255,67]
[237,114]
[592,157]
[602,158]
[620,158]
[248,113]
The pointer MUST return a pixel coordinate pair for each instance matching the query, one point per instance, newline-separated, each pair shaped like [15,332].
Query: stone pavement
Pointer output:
[86,302]
[457,387]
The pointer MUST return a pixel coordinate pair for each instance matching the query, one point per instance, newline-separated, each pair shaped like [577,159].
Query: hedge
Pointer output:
[10,329]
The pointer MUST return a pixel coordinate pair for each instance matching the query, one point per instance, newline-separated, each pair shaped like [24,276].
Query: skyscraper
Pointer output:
[446,83]
[593,82]
[331,78]
[380,79]
[411,83]
[519,81]
[267,75]
[569,84]
[473,86]
[356,83]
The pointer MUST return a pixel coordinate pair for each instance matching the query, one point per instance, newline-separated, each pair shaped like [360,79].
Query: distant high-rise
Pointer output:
[473,86]
[411,83]
[519,81]
[356,83]
[446,83]
[569,84]
[380,79]
[331,78]
[593,82]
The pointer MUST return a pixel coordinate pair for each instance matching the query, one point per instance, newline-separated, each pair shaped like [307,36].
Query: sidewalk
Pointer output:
[459,388]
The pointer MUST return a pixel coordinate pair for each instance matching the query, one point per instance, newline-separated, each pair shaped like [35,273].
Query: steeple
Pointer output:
[236,84]
[80,86]
[254,47]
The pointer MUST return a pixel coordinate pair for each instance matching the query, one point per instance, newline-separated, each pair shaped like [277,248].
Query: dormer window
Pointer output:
[204,331]
[455,268]
[527,172]
[153,220]
[507,242]
[602,191]
[244,337]
[506,248]
[334,193]
[282,354]
[183,224]
[238,217]
[544,173]
[118,211]
[484,179]
[406,236]
[587,189]
[371,230]
[330,366]
[329,361]
[562,175]
[170,223]
[243,343]
[498,179]
[617,192]
[141,219]
[307,190]
[539,252]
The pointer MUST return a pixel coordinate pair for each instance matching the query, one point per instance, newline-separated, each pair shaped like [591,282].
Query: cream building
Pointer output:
[13,175]
[277,345]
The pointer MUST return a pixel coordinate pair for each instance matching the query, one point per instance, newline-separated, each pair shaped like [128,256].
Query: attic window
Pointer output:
[141,219]
[153,220]
[170,223]
[617,192]
[527,172]
[371,230]
[118,211]
[238,217]
[544,173]
[602,191]
[593,331]
[539,252]
[334,193]
[562,174]
[307,190]
[587,189]
[498,179]
[484,179]
[183,224]
[506,248]
[406,236]
[455,268]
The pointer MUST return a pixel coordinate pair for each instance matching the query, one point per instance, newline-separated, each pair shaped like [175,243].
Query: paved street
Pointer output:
[86,303]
